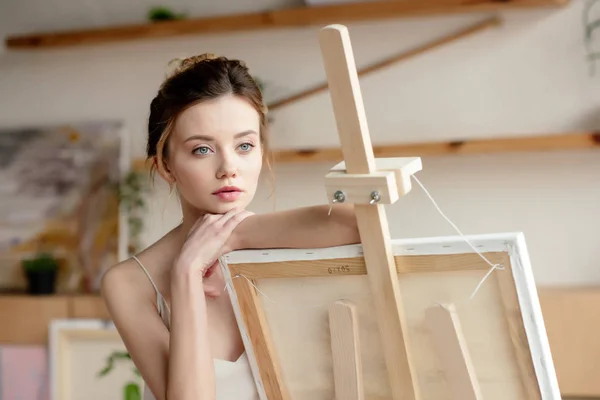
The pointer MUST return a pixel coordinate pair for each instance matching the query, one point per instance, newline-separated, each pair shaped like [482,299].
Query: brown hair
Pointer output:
[196,79]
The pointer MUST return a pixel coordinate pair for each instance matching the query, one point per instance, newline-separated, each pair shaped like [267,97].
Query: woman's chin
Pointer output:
[213,205]
[219,208]
[223,209]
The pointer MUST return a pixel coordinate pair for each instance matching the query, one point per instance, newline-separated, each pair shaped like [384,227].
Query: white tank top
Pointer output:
[233,378]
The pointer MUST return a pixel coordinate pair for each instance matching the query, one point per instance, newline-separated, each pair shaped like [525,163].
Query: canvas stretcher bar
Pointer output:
[444,326]
[345,350]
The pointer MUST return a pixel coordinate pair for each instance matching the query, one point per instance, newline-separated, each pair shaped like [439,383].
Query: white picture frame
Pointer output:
[78,349]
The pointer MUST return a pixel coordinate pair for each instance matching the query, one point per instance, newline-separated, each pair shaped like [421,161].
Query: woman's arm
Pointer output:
[134,314]
[307,227]
[191,364]
[176,364]
[191,371]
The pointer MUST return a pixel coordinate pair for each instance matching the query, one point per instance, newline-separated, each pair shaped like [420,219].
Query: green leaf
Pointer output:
[589,29]
[594,56]
[132,391]
[105,370]
[110,361]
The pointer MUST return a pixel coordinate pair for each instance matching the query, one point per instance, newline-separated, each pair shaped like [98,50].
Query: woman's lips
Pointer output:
[228,196]
[228,193]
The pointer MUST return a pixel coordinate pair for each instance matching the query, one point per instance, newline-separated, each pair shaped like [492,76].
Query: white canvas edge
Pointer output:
[416,246]
[533,320]
[56,326]
[513,243]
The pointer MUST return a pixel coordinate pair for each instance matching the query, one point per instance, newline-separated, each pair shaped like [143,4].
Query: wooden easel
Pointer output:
[370,184]
[369,187]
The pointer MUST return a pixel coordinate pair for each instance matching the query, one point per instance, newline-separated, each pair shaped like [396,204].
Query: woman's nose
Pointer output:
[227,169]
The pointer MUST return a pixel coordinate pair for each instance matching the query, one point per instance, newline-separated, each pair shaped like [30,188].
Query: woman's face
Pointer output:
[215,154]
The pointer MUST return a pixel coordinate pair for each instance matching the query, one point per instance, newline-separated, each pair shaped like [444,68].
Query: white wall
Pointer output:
[527,77]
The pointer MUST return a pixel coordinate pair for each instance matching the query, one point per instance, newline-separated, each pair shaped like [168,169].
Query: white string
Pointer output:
[493,266]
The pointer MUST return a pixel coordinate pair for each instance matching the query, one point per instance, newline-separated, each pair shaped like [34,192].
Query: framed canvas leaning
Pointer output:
[284,298]
[80,350]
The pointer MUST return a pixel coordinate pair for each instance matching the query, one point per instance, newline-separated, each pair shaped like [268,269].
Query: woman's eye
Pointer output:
[246,146]
[202,150]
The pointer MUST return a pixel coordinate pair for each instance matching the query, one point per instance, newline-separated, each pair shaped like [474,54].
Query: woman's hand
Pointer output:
[206,242]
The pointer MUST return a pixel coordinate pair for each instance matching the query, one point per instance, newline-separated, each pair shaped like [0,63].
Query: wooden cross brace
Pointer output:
[369,184]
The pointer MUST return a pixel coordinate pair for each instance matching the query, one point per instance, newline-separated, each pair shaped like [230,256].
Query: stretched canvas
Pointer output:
[58,194]
[282,300]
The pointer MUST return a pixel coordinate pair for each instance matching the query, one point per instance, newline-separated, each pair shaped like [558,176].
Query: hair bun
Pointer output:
[178,65]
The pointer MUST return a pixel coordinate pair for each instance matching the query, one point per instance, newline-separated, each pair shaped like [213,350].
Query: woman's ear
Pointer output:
[165,172]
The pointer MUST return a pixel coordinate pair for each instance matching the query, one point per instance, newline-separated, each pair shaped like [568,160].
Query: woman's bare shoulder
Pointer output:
[127,279]
[122,282]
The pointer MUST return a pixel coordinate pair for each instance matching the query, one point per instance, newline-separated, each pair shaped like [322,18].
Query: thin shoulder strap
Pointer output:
[147,274]
[161,304]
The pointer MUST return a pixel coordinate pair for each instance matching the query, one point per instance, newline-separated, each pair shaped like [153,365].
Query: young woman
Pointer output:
[207,137]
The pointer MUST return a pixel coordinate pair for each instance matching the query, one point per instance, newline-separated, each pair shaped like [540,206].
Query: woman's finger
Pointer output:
[227,217]
[209,221]
[197,224]
[235,220]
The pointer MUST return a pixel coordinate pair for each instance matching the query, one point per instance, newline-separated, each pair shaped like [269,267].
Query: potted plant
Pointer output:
[131,390]
[160,13]
[40,272]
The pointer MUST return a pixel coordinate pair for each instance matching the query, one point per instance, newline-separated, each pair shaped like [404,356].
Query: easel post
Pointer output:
[360,168]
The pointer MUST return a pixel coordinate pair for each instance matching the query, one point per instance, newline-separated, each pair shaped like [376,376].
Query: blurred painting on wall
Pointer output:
[58,196]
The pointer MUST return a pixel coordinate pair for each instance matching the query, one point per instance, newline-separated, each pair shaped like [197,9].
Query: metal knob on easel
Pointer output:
[339,197]
[375,197]
[385,185]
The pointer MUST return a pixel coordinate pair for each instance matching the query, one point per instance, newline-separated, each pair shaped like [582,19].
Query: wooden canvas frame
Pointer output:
[515,285]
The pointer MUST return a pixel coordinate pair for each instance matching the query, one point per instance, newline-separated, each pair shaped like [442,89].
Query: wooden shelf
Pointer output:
[284,18]
[24,319]
[554,142]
